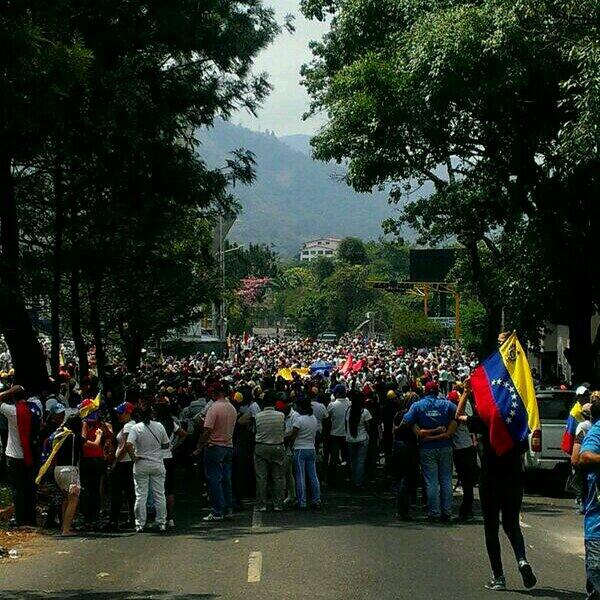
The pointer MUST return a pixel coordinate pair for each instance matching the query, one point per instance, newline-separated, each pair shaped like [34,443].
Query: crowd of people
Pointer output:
[276,421]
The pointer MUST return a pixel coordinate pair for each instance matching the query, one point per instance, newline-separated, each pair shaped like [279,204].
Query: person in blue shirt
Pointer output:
[433,421]
[589,460]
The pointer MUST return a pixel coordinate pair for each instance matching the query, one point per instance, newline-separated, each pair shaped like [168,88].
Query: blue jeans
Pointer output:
[436,464]
[217,468]
[592,568]
[305,466]
[357,451]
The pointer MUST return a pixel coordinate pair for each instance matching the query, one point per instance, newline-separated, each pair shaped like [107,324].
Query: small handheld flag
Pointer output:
[505,396]
[575,417]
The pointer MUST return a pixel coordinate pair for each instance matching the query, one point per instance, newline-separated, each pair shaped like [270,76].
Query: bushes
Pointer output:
[414,329]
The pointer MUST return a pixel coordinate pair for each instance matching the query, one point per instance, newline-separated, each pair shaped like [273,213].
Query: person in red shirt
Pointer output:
[93,468]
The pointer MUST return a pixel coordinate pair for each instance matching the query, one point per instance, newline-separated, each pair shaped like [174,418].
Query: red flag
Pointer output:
[358,365]
[347,366]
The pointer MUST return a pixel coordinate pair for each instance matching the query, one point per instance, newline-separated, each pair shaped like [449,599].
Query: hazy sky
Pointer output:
[282,112]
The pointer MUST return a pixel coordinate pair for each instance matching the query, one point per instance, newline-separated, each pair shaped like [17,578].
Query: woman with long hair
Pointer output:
[357,437]
[302,438]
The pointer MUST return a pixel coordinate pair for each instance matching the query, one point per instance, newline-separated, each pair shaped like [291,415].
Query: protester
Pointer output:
[269,454]
[434,423]
[500,493]
[302,436]
[121,471]
[405,461]
[146,443]
[465,461]
[217,443]
[589,461]
[338,449]
[358,419]
[21,459]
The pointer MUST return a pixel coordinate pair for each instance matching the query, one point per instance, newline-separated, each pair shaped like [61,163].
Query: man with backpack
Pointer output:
[24,418]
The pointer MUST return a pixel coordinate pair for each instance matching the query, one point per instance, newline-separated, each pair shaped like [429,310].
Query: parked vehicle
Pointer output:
[328,336]
[545,453]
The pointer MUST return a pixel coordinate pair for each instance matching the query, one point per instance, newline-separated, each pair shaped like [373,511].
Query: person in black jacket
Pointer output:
[500,492]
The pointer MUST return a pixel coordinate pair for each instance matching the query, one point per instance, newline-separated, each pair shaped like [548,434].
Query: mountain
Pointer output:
[299,142]
[294,198]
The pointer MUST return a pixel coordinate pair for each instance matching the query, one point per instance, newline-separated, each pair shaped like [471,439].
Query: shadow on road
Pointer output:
[81,594]
[553,594]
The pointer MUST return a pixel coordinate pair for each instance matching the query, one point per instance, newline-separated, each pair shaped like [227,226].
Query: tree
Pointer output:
[482,100]
[323,268]
[352,251]
[98,114]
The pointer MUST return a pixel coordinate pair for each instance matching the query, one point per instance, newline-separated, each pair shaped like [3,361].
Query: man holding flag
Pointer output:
[506,412]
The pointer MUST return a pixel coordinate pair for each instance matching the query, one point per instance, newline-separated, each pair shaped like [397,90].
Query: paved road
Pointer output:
[352,548]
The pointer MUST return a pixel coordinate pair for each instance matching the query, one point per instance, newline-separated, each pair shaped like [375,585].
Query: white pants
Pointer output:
[149,475]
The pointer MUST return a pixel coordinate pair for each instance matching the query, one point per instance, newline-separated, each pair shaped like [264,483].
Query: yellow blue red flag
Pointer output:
[505,396]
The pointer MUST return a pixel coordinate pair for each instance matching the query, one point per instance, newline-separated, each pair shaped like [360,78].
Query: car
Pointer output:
[327,336]
[545,452]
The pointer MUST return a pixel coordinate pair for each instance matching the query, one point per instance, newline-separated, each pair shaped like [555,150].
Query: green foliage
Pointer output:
[496,104]
[114,200]
[413,329]
[472,318]
[352,251]
[323,268]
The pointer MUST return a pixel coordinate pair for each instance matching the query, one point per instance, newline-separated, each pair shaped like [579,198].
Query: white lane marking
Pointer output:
[256,519]
[254,567]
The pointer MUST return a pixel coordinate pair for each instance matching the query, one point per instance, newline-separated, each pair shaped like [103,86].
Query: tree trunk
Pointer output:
[493,311]
[132,345]
[96,326]
[15,323]
[56,272]
[581,347]
[80,345]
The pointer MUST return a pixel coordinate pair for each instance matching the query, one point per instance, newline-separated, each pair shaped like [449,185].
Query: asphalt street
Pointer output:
[352,548]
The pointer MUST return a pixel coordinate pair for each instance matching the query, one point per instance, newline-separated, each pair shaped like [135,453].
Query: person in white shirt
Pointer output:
[357,437]
[302,437]
[337,440]
[20,474]
[148,439]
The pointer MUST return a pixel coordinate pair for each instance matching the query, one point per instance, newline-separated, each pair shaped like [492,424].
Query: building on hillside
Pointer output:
[313,249]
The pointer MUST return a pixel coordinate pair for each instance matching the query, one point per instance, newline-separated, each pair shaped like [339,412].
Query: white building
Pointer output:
[313,249]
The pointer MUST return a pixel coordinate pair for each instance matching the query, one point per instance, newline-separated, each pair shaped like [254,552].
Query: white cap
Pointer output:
[581,391]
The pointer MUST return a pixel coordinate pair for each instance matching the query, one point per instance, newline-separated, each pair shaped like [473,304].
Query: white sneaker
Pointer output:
[212,517]
[162,527]
[170,523]
[139,529]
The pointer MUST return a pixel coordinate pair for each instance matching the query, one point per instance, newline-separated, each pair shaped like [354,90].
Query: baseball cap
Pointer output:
[453,396]
[581,390]
[431,387]
[57,409]
[125,408]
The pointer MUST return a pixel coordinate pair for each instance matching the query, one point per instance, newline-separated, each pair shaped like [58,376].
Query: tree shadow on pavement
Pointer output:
[82,594]
[553,594]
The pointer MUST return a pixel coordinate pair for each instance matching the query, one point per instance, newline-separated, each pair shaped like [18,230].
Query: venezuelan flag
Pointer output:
[87,407]
[575,417]
[505,396]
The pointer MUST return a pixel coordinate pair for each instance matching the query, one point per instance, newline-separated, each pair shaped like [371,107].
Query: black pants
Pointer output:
[403,473]
[121,484]
[22,483]
[337,447]
[465,461]
[502,496]
[92,470]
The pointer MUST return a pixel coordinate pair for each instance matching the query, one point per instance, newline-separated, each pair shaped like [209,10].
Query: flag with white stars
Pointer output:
[505,396]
